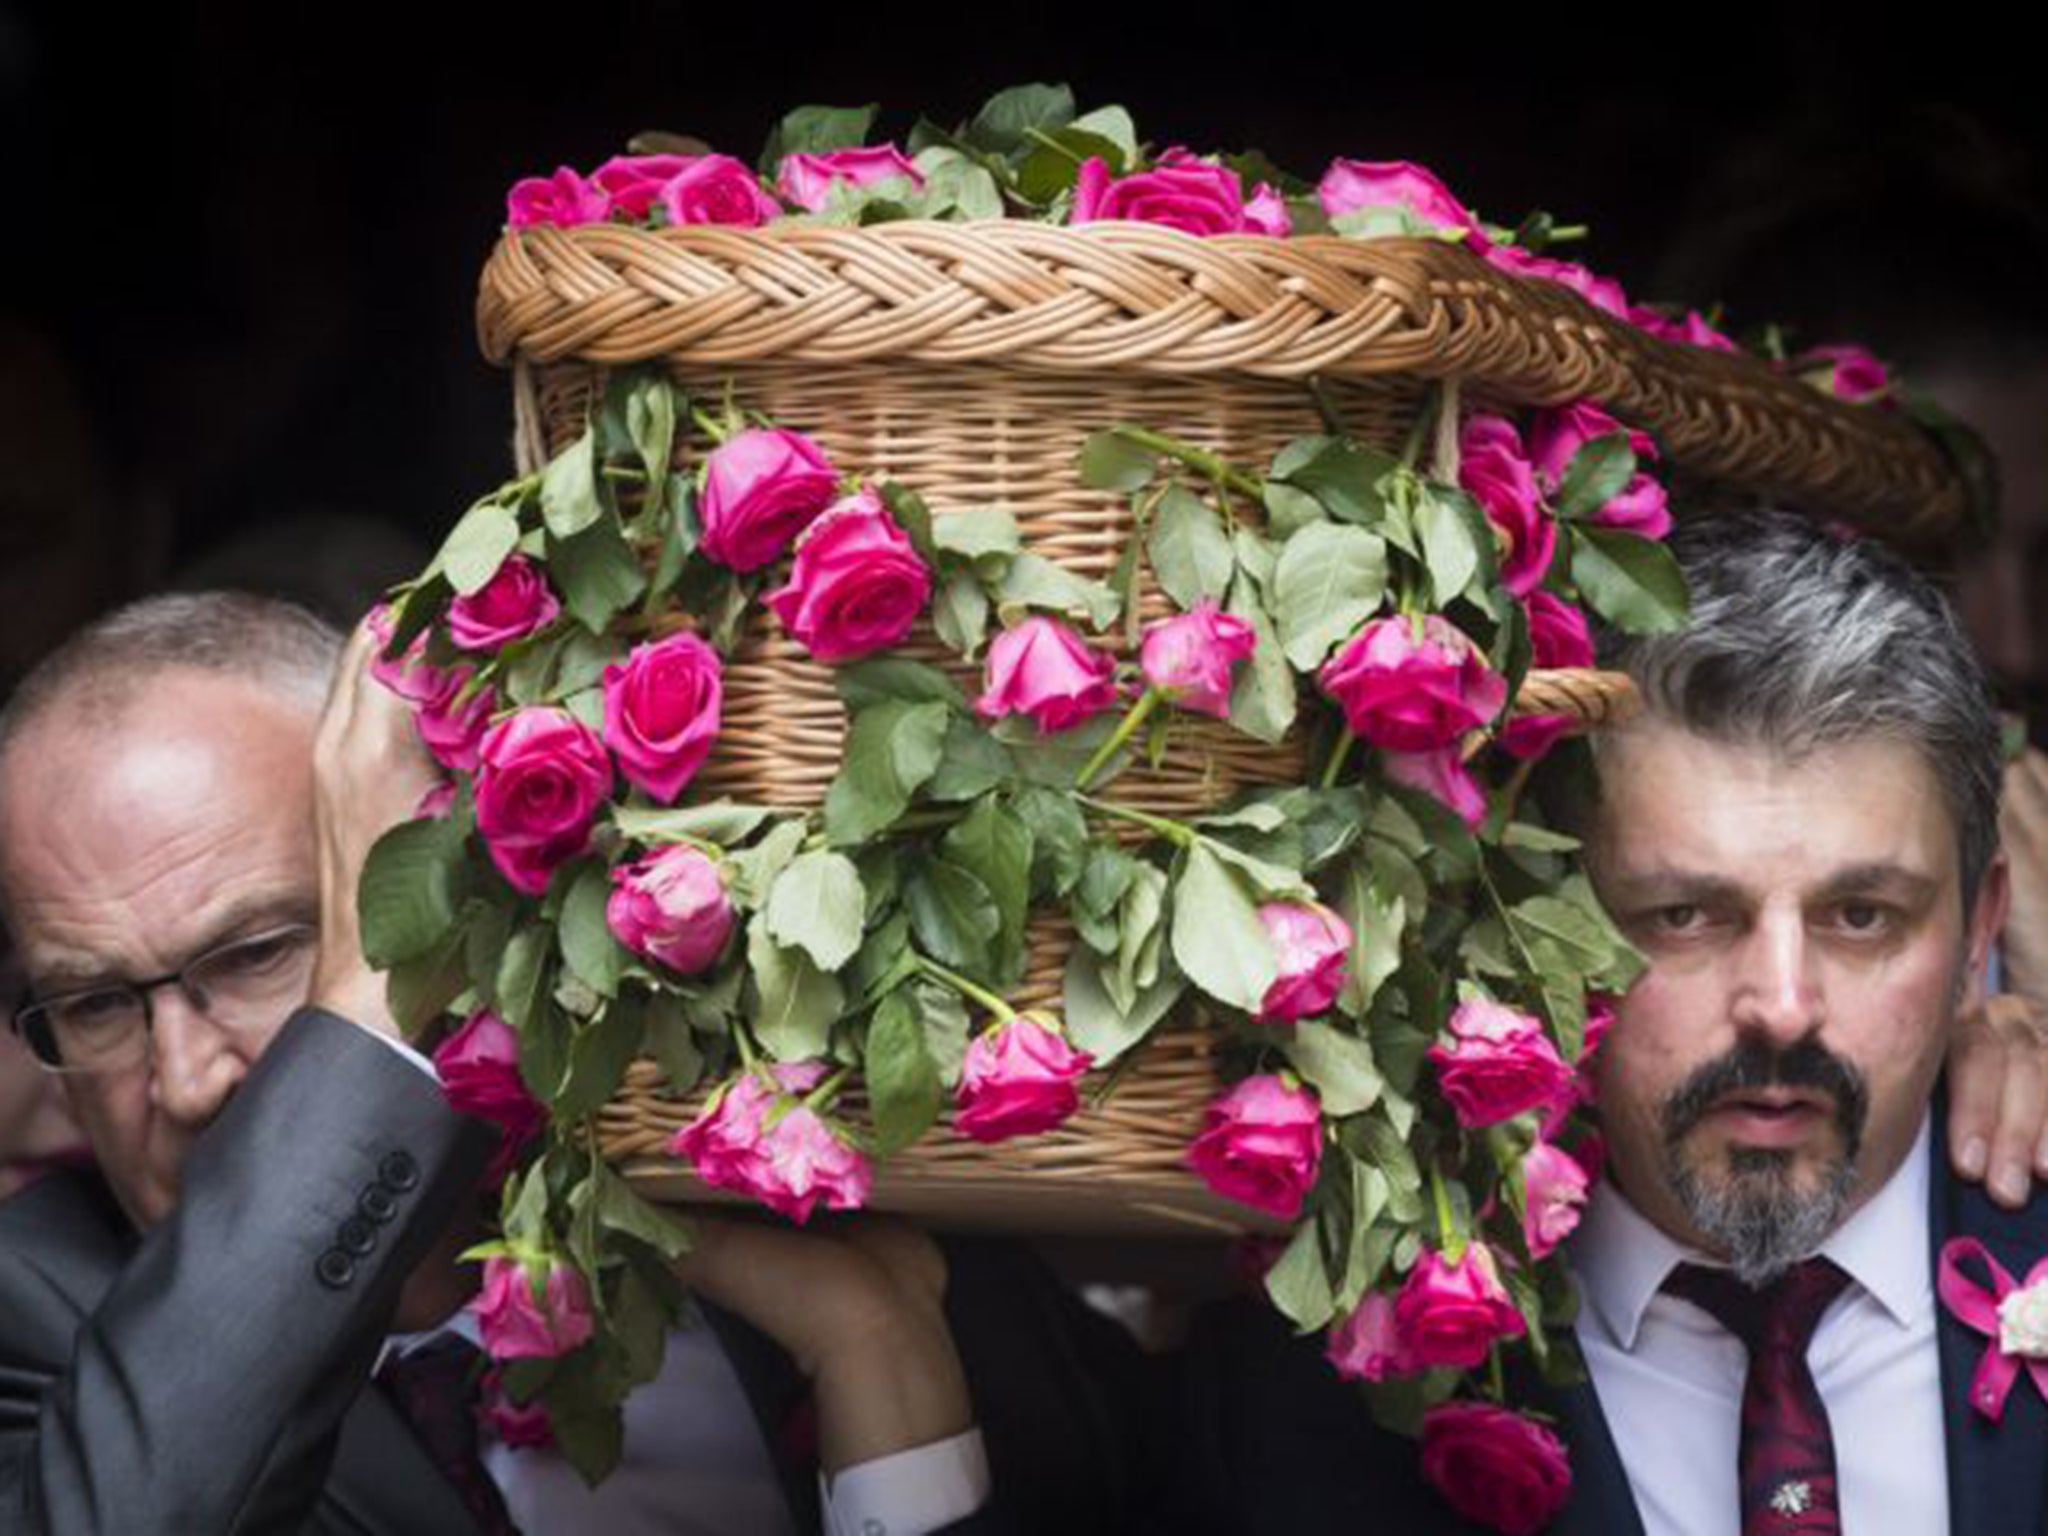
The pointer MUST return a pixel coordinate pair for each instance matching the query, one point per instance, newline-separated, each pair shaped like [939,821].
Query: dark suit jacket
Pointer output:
[210,1377]
[1273,1441]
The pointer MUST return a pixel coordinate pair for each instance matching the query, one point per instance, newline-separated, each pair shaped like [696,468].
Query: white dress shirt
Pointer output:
[1670,1378]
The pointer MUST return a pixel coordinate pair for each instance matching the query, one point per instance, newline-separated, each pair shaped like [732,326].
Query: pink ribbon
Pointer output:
[1978,1308]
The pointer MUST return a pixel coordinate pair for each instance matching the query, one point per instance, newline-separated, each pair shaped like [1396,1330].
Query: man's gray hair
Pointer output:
[277,645]
[1803,638]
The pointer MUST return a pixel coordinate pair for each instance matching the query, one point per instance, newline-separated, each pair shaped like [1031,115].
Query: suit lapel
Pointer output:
[1601,1502]
[780,1398]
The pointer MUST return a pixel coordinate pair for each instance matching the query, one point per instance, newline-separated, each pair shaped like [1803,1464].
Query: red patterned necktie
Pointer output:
[435,1387]
[1787,1460]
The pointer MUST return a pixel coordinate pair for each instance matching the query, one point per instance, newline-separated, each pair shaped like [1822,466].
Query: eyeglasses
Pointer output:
[250,983]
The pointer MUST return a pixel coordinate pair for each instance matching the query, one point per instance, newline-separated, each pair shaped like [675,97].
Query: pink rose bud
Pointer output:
[1453,1314]
[1498,1063]
[1181,191]
[543,775]
[1349,185]
[521,1426]
[856,585]
[514,603]
[1019,1078]
[1443,776]
[662,711]
[1190,658]
[762,487]
[517,1325]
[563,199]
[479,1070]
[1553,1193]
[717,189]
[634,182]
[1558,637]
[1366,1346]
[807,180]
[1261,1144]
[1408,693]
[672,908]
[1493,468]
[790,1166]
[1847,372]
[1041,668]
[1601,292]
[1494,1467]
[1311,943]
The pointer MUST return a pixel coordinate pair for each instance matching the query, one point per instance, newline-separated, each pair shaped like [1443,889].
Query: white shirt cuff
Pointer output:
[402,1048]
[910,1493]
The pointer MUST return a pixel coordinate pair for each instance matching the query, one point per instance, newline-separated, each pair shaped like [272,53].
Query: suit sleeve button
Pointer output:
[398,1172]
[377,1204]
[356,1236]
[335,1269]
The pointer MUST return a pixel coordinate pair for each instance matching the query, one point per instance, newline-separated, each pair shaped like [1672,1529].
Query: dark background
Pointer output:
[241,240]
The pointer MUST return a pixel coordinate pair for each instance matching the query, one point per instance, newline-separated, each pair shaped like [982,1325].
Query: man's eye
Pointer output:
[1679,917]
[1861,917]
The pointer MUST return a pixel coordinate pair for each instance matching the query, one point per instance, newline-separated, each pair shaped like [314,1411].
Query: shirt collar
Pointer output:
[1621,1259]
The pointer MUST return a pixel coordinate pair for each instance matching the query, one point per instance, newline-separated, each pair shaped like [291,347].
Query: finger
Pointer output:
[1976,1061]
[909,1257]
[2016,1142]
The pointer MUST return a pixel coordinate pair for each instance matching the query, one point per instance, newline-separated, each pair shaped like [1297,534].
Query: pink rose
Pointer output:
[1498,1063]
[1261,1144]
[1601,292]
[856,585]
[672,908]
[1311,943]
[479,1070]
[1443,776]
[1558,637]
[1493,467]
[790,1166]
[1041,668]
[562,199]
[1019,1078]
[1693,331]
[1349,185]
[1265,213]
[436,803]
[542,777]
[1366,1345]
[451,720]
[1553,1193]
[1181,191]
[1495,1467]
[1599,1019]
[516,1324]
[634,182]
[717,189]
[1410,693]
[807,180]
[522,1426]
[1190,658]
[1641,508]
[1847,372]
[762,487]
[661,712]
[1453,1314]
[1557,435]
[513,604]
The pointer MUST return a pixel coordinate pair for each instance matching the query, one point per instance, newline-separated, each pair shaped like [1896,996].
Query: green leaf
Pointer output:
[1299,1282]
[1114,124]
[751,872]
[960,612]
[976,533]
[902,1078]
[1005,119]
[587,1421]
[974,763]
[568,488]
[477,545]
[914,517]
[1095,1023]
[1376,923]
[943,1015]
[1189,550]
[1059,838]
[957,187]
[1289,510]
[866,683]
[1588,944]
[1263,701]
[1632,582]
[1522,834]
[672,1044]
[1107,872]
[593,956]
[1598,473]
[1140,936]
[1052,168]
[421,989]
[994,844]
[597,573]
[795,1003]
[1346,477]
[651,423]
[544,1043]
[405,902]
[599,1054]
[954,915]
[816,130]
[1450,525]
[1217,936]
[1337,1064]
[892,749]
[620,1210]
[817,904]
[723,822]
[1331,578]
[1032,581]
[1271,881]
[1112,462]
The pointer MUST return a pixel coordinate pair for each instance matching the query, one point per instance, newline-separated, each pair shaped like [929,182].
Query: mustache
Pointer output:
[1751,1065]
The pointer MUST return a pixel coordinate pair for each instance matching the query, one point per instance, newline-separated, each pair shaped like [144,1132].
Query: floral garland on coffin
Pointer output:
[1407,967]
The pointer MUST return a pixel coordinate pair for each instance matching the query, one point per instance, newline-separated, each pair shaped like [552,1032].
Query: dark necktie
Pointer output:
[435,1387]
[1787,1459]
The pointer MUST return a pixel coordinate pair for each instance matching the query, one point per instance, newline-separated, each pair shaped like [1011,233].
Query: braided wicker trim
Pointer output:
[1140,298]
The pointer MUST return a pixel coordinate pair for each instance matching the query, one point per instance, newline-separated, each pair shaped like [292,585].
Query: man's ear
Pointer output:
[1986,921]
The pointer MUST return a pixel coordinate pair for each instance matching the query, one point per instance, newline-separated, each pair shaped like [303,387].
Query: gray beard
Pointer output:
[1757,1214]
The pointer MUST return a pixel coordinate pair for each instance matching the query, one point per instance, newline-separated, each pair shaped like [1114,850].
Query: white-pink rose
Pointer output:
[1553,1193]
[671,907]
[1041,668]
[1191,658]
[807,180]
[1350,185]
[1310,942]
